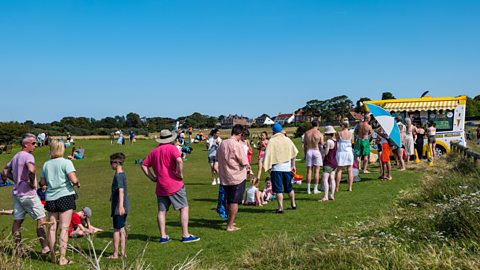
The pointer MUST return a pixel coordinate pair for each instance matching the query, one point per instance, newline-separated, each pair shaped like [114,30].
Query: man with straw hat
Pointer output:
[167,164]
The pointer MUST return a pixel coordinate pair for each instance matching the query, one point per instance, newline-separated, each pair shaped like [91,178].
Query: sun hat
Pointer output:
[166,136]
[277,128]
[329,130]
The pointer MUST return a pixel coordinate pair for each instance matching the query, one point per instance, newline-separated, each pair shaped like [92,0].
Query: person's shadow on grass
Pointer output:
[201,223]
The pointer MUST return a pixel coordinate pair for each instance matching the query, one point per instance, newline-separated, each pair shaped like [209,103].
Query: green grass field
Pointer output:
[369,199]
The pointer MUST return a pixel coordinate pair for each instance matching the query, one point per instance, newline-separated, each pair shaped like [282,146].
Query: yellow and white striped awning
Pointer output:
[421,105]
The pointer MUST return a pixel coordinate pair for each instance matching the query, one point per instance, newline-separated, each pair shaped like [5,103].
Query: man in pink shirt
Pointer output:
[232,170]
[167,164]
[21,169]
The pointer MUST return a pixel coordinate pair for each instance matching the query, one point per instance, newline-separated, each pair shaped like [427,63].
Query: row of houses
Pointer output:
[264,119]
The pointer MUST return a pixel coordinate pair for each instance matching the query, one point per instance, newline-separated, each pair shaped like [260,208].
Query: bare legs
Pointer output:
[161,218]
[400,157]
[291,195]
[63,218]
[365,164]
[232,209]
[214,169]
[328,180]
[309,178]
[119,238]
[260,167]
[41,233]
[339,177]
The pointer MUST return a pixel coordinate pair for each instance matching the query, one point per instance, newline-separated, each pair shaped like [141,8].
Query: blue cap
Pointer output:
[277,128]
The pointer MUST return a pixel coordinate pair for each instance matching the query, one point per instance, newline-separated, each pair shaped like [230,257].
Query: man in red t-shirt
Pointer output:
[167,164]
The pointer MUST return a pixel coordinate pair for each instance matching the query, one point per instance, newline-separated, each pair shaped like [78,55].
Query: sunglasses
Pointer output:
[115,162]
[34,143]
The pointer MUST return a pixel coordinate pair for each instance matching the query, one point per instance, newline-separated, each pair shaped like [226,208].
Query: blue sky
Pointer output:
[172,58]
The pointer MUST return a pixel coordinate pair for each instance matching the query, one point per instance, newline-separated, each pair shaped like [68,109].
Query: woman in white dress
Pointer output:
[344,155]
[409,141]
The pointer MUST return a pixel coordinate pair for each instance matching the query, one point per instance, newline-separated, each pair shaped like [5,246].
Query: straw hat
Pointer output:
[166,136]
[329,130]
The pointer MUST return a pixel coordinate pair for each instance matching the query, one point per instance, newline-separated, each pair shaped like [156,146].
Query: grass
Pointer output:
[422,231]
[369,200]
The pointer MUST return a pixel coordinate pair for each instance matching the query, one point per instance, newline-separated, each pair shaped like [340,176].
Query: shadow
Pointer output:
[131,236]
[201,223]
[308,199]
[254,209]
[205,200]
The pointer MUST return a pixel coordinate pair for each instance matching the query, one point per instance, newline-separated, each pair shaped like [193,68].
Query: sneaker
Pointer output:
[308,191]
[278,211]
[316,191]
[214,182]
[164,240]
[218,181]
[191,238]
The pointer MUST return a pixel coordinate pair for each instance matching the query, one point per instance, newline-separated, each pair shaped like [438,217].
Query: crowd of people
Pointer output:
[326,155]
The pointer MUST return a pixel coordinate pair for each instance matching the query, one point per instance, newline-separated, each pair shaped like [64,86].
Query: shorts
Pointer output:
[280,179]
[178,200]
[234,193]
[431,139]
[385,154]
[362,147]
[328,169]
[61,204]
[212,159]
[27,204]
[313,158]
[119,221]
[78,156]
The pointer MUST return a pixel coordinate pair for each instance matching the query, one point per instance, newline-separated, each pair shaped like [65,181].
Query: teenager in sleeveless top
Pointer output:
[329,164]
[344,155]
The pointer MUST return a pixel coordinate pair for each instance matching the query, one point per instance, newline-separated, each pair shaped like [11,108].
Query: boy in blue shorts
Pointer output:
[120,205]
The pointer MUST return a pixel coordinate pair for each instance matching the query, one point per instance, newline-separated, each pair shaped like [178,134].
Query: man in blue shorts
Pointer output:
[279,159]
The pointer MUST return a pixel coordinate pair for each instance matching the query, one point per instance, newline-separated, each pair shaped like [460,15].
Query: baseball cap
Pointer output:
[277,128]
[87,211]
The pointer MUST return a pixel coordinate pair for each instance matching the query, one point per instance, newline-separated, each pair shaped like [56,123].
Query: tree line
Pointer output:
[329,110]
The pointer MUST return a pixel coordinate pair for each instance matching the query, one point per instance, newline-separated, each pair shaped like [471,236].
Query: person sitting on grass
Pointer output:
[77,153]
[267,193]
[80,224]
[253,196]
[120,205]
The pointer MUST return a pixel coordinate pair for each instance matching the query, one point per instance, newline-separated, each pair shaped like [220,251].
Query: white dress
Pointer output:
[409,143]
[344,152]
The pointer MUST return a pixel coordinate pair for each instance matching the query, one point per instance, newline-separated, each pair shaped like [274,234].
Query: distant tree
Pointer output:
[473,107]
[359,106]
[120,121]
[330,109]
[159,123]
[29,123]
[11,132]
[387,95]
[133,120]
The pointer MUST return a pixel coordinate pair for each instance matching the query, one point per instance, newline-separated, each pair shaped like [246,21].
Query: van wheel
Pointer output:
[439,151]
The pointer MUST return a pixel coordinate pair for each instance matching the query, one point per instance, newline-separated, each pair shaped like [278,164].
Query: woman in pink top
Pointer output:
[262,145]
